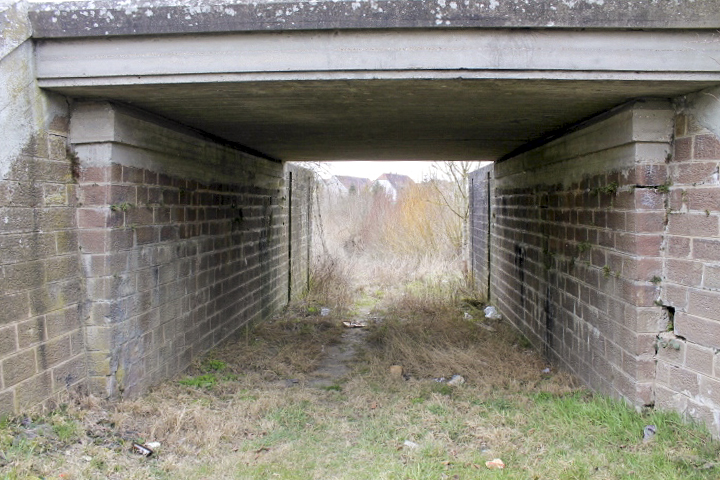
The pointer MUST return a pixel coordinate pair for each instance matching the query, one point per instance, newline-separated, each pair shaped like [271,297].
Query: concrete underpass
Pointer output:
[148,213]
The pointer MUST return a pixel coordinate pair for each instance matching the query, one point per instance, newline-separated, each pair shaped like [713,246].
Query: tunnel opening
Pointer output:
[395,222]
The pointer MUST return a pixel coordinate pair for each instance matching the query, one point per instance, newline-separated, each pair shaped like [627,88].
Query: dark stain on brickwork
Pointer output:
[520,267]
[549,322]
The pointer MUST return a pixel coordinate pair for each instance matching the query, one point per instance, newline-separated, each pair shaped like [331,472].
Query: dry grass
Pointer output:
[237,416]
[430,335]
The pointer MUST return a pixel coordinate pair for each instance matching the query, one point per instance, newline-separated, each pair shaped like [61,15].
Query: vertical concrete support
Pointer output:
[481,206]
[41,340]
[688,355]
[300,188]
[183,241]
[576,235]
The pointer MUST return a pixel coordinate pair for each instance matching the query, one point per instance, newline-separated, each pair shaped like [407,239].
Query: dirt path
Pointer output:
[335,365]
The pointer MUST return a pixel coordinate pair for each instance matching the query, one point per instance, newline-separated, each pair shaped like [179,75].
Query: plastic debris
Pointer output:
[456,380]
[492,313]
[440,379]
[153,445]
[396,371]
[649,432]
[495,464]
[546,370]
[324,312]
[354,324]
[410,444]
[141,450]
[467,316]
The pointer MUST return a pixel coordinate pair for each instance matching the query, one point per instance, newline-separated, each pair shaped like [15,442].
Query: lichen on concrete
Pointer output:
[171,16]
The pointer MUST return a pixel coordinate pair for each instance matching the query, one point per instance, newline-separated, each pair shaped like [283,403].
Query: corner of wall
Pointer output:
[577,236]
[41,292]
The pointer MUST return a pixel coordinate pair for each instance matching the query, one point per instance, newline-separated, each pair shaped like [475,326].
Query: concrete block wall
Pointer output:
[41,338]
[183,242]
[688,355]
[577,234]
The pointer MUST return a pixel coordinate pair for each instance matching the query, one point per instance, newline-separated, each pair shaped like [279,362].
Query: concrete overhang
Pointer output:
[378,80]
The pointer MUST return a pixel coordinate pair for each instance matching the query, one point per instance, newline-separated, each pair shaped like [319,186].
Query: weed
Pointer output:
[583,247]
[443,389]
[333,388]
[664,188]
[65,431]
[213,365]
[656,280]
[208,380]
[121,207]
[609,189]
[607,271]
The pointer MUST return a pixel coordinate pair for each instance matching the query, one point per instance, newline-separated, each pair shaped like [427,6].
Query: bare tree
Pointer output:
[457,196]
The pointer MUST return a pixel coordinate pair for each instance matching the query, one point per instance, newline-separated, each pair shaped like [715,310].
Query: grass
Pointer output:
[235,416]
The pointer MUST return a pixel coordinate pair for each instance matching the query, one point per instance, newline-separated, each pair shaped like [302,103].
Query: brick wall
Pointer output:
[577,231]
[481,204]
[688,364]
[183,241]
[41,340]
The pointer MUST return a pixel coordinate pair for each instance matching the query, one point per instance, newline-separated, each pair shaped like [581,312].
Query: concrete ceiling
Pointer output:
[378,79]
[399,119]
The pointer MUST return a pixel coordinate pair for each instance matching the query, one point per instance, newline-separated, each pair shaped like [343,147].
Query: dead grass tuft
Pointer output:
[331,283]
[430,337]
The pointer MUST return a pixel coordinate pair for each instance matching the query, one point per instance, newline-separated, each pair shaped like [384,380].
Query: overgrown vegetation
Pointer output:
[261,418]
[250,409]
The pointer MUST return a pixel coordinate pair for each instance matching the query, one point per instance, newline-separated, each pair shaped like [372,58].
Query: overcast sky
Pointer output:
[413,169]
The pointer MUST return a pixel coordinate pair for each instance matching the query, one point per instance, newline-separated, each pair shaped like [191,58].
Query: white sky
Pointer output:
[372,170]
[416,170]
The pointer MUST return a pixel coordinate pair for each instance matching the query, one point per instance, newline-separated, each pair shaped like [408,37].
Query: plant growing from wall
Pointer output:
[121,207]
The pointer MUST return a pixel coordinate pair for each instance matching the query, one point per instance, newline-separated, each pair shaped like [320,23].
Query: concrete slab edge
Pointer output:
[154,17]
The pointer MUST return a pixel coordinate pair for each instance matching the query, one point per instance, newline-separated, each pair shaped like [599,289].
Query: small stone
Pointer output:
[396,371]
[495,464]
[649,433]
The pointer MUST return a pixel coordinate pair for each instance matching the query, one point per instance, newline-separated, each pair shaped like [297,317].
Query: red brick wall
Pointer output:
[688,364]
[174,267]
[577,231]
[183,242]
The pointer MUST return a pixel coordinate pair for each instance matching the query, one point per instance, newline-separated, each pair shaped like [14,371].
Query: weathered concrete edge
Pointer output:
[15,27]
[645,127]
[704,106]
[145,17]
[103,131]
